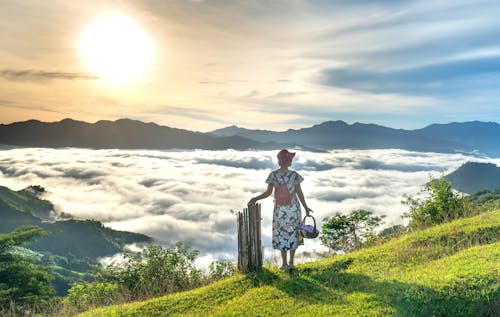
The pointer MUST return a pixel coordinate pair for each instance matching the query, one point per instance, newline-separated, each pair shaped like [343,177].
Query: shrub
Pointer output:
[89,295]
[440,205]
[348,232]
[155,271]
[220,269]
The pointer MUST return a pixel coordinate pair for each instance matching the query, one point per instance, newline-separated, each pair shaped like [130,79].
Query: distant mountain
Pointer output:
[468,136]
[473,177]
[483,137]
[122,134]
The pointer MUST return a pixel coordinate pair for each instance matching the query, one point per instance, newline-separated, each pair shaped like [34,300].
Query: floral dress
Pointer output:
[287,218]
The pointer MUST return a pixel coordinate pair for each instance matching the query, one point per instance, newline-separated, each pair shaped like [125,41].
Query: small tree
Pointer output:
[441,204]
[21,280]
[348,232]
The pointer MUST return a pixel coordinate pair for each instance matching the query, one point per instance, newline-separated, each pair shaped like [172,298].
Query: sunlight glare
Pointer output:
[115,49]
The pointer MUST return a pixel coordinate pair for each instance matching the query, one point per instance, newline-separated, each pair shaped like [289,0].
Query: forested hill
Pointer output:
[472,177]
[81,238]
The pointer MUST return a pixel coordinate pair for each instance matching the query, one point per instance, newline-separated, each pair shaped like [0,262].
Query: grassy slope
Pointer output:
[447,270]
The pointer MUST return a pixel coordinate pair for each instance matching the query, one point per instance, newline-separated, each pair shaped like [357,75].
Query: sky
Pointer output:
[188,196]
[204,65]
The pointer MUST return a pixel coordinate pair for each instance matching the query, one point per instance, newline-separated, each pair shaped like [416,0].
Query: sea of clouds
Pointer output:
[188,196]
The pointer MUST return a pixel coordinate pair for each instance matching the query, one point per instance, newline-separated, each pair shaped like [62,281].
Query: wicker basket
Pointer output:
[308,231]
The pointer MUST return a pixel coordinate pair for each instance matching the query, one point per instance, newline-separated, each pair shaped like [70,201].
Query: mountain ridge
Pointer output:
[122,134]
[473,177]
[450,138]
[472,136]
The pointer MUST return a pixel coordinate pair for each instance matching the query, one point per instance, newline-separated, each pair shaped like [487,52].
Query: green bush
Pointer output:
[441,204]
[155,271]
[348,232]
[88,295]
[219,270]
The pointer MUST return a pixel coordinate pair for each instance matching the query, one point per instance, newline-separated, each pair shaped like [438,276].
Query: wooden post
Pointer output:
[249,239]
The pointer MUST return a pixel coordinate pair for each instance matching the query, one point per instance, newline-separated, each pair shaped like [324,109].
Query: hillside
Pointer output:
[72,246]
[446,270]
[472,177]
[82,238]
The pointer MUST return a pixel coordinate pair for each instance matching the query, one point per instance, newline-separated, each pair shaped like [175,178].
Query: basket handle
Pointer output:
[304,220]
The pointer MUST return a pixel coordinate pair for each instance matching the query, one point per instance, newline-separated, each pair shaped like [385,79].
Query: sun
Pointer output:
[115,49]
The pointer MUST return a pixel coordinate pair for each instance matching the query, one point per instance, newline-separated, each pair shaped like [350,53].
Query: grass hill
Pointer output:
[447,270]
[472,177]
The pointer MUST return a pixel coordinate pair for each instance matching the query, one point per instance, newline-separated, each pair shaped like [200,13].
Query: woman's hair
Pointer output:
[285,157]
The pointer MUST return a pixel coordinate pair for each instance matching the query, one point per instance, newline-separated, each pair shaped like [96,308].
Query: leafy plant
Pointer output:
[87,295]
[220,269]
[21,280]
[440,204]
[155,271]
[348,232]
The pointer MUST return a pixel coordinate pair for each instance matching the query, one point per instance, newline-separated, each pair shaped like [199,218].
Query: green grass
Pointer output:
[447,270]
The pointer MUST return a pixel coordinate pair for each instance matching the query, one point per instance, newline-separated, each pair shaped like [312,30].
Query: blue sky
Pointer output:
[260,64]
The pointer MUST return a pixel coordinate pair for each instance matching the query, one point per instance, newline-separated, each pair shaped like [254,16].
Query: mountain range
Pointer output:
[120,134]
[453,137]
[482,137]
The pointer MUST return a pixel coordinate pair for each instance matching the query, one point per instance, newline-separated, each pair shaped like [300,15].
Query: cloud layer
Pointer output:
[188,195]
[41,75]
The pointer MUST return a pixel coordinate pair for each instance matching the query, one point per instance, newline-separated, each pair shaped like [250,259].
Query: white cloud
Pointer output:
[188,195]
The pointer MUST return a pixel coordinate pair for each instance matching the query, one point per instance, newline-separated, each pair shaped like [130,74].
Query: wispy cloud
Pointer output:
[42,76]
[188,195]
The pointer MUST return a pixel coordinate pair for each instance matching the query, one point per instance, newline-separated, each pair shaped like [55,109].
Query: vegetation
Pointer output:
[22,281]
[441,204]
[72,247]
[348,232]
[486,200]
[156,271]
[450,269]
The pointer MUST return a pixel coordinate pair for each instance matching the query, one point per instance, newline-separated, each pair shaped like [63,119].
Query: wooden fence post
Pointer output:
[249,239]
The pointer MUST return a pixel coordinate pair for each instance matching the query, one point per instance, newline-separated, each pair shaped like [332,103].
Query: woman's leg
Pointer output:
[292,254]
[283,258]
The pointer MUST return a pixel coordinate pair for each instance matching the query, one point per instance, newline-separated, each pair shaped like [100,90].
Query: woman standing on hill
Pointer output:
[287,215]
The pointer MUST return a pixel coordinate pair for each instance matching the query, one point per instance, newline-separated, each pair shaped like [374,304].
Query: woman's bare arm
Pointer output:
[265,194]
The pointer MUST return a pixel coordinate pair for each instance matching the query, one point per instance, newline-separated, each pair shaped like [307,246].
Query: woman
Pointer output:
[287,216]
